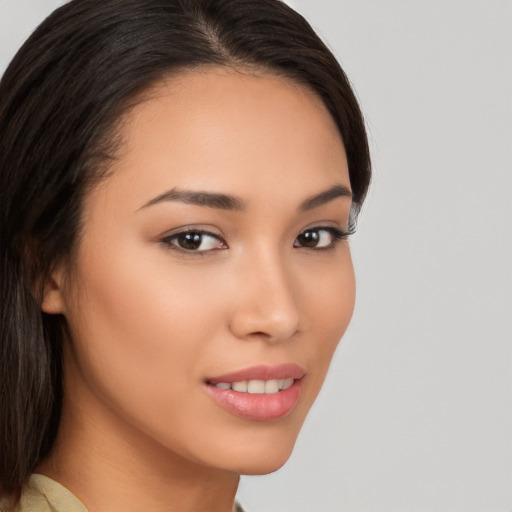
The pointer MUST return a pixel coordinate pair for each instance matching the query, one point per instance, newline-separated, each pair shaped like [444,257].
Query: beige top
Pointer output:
[42,494]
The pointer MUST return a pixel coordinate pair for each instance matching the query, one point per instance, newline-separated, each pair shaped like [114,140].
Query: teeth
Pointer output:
[258,387]
[271,386]
[239,386]
[287,383]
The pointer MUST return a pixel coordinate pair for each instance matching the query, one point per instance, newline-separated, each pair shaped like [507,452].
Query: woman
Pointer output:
[178,181]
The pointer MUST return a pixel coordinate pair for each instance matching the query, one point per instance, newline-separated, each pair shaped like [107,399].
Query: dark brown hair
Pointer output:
[61,99]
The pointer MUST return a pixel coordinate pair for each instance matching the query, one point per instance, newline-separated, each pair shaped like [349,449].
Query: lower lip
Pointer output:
[257,407]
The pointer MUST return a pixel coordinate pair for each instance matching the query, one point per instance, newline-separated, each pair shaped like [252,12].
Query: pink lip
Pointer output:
[259,407]
[262,372]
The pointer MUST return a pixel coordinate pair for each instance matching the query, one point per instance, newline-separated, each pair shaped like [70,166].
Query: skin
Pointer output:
[150,321]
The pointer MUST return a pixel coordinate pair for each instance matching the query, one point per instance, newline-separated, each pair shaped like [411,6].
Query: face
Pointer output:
[212,281]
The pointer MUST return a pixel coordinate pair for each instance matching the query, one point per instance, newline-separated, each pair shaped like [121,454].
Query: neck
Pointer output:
[113,467]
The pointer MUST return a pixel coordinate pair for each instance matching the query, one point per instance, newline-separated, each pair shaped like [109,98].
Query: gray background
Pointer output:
[416,414]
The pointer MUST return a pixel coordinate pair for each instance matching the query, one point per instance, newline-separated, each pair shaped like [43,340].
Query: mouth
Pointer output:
[257,387]
[259,393]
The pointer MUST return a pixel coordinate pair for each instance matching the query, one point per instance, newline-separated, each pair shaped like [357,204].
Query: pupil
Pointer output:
[190,240]
[309,238]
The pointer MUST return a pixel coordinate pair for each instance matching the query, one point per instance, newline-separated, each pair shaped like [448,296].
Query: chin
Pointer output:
[262,465]
[259,454]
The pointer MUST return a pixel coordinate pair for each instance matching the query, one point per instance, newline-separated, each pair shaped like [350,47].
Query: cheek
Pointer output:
[139,328]
[143,333]
[331,300]
[330,304]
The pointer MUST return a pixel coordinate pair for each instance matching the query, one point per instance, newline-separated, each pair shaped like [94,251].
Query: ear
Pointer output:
[53,299]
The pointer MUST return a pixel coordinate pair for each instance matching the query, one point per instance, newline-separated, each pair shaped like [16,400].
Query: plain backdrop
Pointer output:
[416,414]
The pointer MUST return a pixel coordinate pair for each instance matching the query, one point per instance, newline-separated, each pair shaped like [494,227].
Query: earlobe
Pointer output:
[53,301]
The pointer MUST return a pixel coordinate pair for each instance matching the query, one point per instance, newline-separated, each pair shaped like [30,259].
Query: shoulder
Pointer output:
[42,494]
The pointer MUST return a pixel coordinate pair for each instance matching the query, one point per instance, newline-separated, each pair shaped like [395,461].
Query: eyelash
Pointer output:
[336,234]
[169,241]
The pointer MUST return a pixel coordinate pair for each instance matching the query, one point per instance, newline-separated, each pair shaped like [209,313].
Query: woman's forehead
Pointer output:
[223,128]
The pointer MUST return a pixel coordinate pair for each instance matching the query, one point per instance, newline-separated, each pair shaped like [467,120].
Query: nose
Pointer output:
[267,300]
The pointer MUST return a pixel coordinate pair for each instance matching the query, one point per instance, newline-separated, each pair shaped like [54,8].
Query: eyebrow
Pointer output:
[233,203]
[199,198]
[325,197]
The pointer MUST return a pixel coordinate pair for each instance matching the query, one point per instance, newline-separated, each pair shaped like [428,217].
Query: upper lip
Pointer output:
[261,372]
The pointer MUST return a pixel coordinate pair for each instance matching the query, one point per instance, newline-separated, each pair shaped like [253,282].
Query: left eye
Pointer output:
[319,238]
[195,241]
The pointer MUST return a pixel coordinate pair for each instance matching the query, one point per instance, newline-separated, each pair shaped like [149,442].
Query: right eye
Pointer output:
[194,241]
